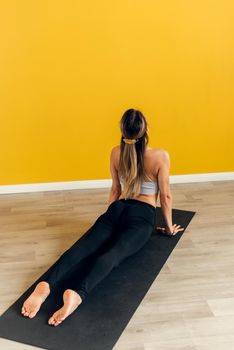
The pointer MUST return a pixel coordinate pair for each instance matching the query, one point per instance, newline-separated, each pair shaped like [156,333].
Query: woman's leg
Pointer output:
[99,233]
[132,237]
[92,239]
[129,241]
[133,229]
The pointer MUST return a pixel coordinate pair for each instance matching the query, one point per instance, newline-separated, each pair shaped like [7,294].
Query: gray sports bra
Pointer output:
[147,187]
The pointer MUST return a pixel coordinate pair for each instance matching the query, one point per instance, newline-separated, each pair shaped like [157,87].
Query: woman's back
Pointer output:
[149,187]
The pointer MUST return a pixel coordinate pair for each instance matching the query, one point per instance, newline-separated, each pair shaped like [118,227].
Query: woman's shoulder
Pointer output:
[115,153]
[115,149]
[160,152]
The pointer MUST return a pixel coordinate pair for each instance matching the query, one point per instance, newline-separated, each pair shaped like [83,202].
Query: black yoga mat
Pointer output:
[99,321]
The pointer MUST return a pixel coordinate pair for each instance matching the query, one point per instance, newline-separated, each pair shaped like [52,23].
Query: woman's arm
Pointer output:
[164,188]
[113,196]
[115,190]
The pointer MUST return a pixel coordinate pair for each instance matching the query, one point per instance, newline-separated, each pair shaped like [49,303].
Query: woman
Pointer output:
[127,224]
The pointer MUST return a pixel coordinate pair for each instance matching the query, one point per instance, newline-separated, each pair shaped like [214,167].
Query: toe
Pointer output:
[32,314]
[23,309]
[52,320]
[57,319]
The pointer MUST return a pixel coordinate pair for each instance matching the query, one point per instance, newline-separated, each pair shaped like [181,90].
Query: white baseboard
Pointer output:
[106,183]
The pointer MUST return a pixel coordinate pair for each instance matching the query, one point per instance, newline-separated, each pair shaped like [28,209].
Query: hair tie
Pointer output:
[130,141]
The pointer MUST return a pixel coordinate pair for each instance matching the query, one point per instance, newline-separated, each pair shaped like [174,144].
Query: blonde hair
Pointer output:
[133,126]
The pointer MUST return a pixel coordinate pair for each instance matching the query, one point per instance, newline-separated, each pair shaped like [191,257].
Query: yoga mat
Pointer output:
[99,321]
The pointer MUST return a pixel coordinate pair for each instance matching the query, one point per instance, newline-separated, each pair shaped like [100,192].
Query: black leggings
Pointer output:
[127,224]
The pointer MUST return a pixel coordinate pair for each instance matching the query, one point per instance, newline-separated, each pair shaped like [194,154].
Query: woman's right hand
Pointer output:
[175,230]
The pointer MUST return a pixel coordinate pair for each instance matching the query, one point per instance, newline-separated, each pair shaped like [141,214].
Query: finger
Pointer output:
[179,229]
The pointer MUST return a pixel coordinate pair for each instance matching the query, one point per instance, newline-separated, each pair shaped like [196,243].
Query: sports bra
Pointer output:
[147,187]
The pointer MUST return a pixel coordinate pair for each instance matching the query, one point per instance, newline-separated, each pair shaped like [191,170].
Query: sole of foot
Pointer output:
[71,301]
[33,303]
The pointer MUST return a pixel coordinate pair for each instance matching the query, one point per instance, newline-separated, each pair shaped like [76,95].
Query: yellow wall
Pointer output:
[69,69]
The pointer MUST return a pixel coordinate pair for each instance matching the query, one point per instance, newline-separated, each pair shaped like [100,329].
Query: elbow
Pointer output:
[115,192]
[165,197]
[116,189]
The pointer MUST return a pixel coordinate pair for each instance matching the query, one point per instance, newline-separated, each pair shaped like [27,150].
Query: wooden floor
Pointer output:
[190,305]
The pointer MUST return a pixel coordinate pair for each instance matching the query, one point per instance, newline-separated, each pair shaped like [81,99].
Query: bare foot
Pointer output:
[32,305]
[71,301]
